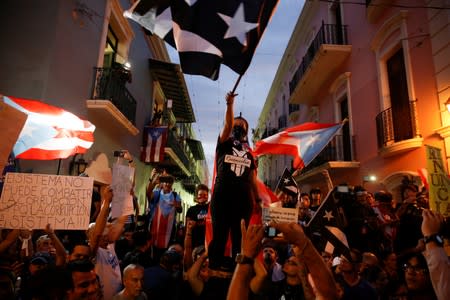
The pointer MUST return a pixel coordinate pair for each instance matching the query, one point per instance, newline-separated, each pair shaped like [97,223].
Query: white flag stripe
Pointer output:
[64,144]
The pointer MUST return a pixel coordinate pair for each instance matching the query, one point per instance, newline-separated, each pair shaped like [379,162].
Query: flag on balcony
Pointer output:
[304,142]
[325,229]
[207,33]
[50,132]
[155,139]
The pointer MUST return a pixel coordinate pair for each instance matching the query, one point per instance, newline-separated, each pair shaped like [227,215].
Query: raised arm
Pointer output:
[153,181]
[305,251]
[59,247]
[251,245]
[193,275]
[229,118]
[100,222]
[12,236]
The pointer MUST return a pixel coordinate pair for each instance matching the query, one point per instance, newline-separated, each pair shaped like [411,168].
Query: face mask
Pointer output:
[239,133]
[268,258]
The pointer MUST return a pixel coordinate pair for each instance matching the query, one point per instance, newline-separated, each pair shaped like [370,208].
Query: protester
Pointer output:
[160,281]
[304,212]
[79,250]
[316,198]
[235,188]
[102,237]
[140,255]
[85,284]
[435,255]
[164,203]
[417,278]
[270,261]
[50,243]
[198,275]
[355,287]
[198,213]
[133,282]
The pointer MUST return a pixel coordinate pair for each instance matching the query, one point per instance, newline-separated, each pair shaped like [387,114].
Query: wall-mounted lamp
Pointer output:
[447,104]
[369,178]
[127,65]
[169,103]
[77,166]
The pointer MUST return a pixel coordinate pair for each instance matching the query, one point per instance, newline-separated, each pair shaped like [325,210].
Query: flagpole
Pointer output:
[236,84]
[59,166]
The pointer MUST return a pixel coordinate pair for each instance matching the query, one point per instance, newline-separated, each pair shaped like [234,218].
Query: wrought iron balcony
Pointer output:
[174,142]
[340,148]
[190,183]
[268,132]
[109,84]
[396,127]
[328,34]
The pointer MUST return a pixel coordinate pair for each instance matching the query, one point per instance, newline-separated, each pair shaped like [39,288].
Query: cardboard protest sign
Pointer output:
[31,201]
[11,124]
[122,183]
[279,214]
[439,181]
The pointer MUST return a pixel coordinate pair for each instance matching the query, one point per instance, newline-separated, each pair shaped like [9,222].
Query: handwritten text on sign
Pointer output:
[122,183]
[31,201]
[279,214]
[438,180]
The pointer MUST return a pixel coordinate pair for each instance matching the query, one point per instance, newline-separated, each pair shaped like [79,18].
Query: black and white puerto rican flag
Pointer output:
[207,33]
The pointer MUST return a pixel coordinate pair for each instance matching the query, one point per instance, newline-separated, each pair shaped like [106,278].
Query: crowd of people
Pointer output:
[395,247]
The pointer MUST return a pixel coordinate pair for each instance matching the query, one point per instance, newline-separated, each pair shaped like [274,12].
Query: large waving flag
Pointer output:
[304,142]
[207,33]
[50,132]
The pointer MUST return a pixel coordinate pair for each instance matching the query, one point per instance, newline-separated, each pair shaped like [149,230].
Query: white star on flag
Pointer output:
[286,180]
[190,2]
[328,215]
[237,27]
[28,130]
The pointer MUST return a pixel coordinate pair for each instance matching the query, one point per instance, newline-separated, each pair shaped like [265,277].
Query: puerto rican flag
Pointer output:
[207,33]
[50,132]
[155,139]
[304,142]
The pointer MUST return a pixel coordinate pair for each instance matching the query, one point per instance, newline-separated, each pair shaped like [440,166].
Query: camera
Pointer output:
[119,153]
[270,232]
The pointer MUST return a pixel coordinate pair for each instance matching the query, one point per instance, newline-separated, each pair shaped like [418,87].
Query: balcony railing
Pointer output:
[340,148]
[109,84]
[282,122]
[268,132]
[328,34]
[293,108]
[174,143]
[396,127]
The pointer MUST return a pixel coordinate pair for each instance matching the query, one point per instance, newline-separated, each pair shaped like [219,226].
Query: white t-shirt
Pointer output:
[108,269]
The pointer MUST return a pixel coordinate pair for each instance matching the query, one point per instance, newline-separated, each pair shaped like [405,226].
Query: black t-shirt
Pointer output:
[198,214]
[234,162]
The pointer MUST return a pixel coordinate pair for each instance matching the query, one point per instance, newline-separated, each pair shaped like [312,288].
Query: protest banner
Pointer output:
[31,201]
[11,124]
[279,214]
[438,181]
[122,183]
